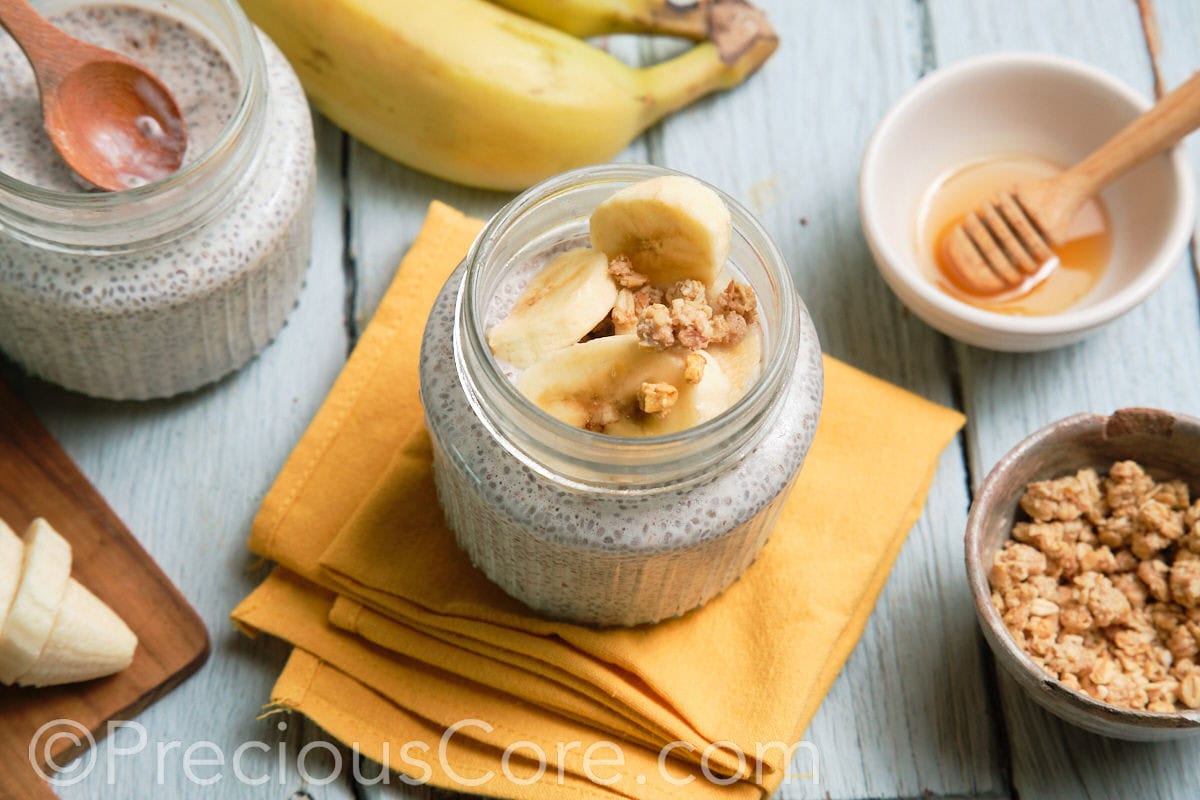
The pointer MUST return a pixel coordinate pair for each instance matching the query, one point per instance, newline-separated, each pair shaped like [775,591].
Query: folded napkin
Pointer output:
[398,638]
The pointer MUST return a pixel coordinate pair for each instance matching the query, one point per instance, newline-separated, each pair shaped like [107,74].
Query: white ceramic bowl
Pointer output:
[1045,106]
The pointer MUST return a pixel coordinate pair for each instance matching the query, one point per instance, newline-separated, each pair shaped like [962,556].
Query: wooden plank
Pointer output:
[188,475]
[910,713]
[37,479]
[1147,358]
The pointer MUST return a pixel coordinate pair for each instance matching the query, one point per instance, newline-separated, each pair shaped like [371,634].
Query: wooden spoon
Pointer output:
[111,119]
[1009,242]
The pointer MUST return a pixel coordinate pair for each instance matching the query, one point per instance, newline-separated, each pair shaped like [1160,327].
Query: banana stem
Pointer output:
[710,66]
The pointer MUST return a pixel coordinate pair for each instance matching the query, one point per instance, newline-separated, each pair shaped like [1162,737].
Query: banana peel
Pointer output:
[482,95]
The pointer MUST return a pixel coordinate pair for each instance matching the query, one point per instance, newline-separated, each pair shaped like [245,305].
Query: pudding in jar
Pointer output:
[616,459]
[166,287]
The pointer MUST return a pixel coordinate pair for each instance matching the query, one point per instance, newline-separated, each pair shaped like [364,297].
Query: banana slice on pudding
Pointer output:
[88,641]
[561,305]
[604,384]
[671,228]
[741,362]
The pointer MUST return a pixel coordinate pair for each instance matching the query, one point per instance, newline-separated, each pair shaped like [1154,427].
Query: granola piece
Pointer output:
[1117,531]
[1155,515]
[1153,573]
[1189,689]
[1174,494]
[1015,564]
[647,296]
[1096,559]
[1161,706]
[740,299]
[1185,579]
[624,316]
[1107,604]
[657,398]
[1126,561]
[1042,535]
[1070,657]
[690,290]
[1182,643]
[1126,484]
[654,326]
[729,328]
[1041,607]
[1125,691]
[601,415]
[1134,590]
[692,323]
[1148,543]
[1067,498]
[693,368]
[622,271]
[1165,617]
[1075,618]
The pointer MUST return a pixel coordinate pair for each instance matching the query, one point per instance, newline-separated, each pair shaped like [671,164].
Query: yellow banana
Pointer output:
[585,18]
[481,95]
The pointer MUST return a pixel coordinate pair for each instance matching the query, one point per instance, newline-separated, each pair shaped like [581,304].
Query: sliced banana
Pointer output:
[45,572]
[741,362]
[563,302]
[672,228]
[697,403]
[12,552]
[594,385]
[88,641]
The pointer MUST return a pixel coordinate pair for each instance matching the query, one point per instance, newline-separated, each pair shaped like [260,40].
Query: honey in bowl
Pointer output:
[1083,256]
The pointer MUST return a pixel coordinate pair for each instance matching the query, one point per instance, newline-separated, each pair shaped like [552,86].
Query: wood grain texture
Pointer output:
[909,714]
[1148,358]
[38,479]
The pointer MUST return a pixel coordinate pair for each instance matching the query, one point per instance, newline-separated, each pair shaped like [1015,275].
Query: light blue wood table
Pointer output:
[919,710]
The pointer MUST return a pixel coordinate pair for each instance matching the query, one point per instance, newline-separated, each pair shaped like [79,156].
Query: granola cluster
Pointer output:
[680,316]
[1102,586]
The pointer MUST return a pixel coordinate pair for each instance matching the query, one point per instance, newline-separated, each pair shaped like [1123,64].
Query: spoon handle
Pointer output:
[1174,116]
[47,48]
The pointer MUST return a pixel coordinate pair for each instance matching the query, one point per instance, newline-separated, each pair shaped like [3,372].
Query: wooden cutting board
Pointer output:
[37,478]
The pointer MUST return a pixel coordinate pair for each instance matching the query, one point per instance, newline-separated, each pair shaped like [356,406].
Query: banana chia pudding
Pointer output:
[608,459]
[170,286]
[199,77]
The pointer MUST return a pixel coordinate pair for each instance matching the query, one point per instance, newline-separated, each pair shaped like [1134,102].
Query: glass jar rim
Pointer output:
[728,436]
[91,211]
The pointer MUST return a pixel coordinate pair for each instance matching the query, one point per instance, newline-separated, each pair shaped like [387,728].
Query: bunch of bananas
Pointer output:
[502,94]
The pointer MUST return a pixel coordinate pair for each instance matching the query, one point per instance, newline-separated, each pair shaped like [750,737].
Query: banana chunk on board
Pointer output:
[45,572]
[52,629]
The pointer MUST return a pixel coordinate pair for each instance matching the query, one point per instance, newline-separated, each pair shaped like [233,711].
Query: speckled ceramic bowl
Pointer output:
[1168,446]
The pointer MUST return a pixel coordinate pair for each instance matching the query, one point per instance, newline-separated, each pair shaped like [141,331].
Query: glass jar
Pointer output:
[599,529]
[164,288]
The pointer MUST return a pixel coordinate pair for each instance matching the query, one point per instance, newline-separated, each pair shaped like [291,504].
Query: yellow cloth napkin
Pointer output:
[421,640]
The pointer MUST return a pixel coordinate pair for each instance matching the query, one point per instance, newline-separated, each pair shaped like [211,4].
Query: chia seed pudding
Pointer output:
[588,527]
[163,288]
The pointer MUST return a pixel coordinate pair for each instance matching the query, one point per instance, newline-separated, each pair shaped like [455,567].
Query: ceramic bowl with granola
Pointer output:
[1083,555]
